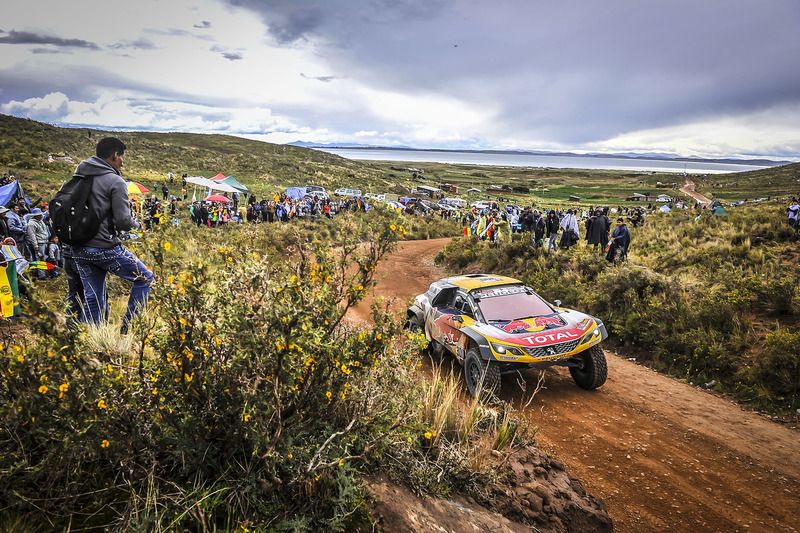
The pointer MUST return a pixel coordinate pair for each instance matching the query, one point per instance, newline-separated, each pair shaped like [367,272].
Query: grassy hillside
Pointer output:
[263,167]
[766,183]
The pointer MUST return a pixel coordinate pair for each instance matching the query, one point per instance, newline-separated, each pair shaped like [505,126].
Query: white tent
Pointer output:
[210,185]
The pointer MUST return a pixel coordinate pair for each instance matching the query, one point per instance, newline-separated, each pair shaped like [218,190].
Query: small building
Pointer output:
[431,192]
[574,198]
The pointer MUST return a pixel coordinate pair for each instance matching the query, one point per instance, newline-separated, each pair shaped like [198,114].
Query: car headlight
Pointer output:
[504,349]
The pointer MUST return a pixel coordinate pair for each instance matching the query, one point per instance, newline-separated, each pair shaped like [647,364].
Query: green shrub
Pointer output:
[249,400]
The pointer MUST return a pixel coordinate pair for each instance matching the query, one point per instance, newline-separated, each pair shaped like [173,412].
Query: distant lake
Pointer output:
[515,159]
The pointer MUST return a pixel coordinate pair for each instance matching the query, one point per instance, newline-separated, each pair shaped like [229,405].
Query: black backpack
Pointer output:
[74,220]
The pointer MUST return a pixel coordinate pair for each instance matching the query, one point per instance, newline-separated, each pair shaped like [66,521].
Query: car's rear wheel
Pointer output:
[482,377]
[593,370]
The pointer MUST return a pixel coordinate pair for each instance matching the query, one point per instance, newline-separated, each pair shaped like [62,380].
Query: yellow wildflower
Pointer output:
[105,444]
[102,404]
[428,435]
[167,246]
[63,387]
[43,389]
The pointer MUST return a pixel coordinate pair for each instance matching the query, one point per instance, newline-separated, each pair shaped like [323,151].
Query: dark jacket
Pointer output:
[621,236]
[110,201]
[552,224]
[597,229]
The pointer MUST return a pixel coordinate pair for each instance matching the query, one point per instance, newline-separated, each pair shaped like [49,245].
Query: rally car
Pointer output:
[495,325]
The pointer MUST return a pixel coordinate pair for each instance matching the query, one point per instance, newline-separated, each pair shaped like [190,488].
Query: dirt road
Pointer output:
[689,189]
[664,455]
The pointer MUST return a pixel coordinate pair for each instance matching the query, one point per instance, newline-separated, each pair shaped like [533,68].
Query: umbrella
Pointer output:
[136,188]
[217,198]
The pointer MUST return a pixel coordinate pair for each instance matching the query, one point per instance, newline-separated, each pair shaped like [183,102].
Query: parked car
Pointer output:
[316,191]
[347,192]
[494,325]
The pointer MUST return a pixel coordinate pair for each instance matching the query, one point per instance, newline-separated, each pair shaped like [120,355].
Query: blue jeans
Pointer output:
[93,265]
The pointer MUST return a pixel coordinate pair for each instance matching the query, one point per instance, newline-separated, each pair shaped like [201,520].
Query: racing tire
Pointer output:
[594,370]
[482,377]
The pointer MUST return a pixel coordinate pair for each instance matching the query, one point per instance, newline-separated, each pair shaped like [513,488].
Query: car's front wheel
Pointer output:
[593,369]
[482,377]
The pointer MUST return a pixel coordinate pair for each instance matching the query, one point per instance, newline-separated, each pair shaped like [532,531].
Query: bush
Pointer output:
[249,401]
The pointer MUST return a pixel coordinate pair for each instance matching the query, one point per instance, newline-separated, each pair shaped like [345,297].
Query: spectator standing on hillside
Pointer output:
[538,228]
[503,228]
[16,228]
[37,237]
[597,228]
[552,227]
[570,235]
[620,241]
[794,214]
[164,191]
[104,252]
[3,224]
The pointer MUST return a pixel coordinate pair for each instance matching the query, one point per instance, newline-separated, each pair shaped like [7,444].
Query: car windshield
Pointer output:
[513,307]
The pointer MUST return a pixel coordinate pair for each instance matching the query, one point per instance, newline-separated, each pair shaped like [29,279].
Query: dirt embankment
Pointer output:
[663,455]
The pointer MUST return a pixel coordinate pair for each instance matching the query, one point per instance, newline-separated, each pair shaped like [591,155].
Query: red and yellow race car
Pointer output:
[495,325]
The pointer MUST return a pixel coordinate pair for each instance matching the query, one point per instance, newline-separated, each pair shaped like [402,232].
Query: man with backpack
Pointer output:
[104,252]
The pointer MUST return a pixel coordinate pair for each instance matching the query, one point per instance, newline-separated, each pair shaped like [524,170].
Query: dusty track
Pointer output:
[689,189]
[665,456]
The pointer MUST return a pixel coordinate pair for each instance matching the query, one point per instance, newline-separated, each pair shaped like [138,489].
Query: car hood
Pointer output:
[539,331]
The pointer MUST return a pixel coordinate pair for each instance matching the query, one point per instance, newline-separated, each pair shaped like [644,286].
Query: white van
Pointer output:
[455,202]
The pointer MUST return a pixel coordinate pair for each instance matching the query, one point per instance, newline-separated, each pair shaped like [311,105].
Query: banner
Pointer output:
[9,289]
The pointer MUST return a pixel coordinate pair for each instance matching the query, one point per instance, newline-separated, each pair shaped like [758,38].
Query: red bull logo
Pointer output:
[516,326]
[537,324]
[544,321]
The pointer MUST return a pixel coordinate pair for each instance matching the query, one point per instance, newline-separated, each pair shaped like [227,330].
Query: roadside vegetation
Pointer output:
[241,399]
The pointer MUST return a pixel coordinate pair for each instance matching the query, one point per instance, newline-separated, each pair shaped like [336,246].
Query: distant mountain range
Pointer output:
[627,155]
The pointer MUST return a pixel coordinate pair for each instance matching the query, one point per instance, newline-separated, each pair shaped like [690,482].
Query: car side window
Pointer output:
[463,305]
[444,298]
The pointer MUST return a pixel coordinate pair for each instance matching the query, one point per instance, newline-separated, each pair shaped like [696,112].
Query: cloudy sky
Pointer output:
[685,77]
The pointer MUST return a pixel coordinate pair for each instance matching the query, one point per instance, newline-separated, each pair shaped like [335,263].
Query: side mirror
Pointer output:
[557,303]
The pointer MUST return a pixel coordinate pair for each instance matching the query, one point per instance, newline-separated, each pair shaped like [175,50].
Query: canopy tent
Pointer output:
[719,210]
[218,177]
[295,192]
[230,180]
[10,192]
[665,209]
[715,203]
[210,185]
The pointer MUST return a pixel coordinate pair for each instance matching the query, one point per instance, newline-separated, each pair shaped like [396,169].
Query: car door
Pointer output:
[452,323]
